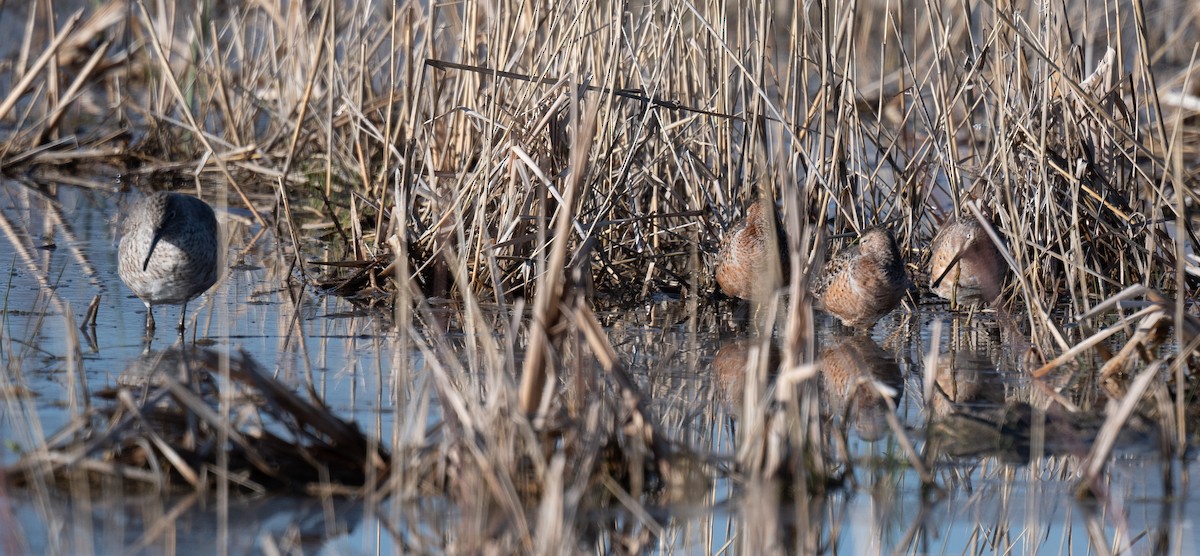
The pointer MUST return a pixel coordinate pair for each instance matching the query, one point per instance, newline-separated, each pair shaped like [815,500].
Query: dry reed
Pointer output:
[590,156]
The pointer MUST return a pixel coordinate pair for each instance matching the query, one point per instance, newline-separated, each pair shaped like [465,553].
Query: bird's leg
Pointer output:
[148,334]
[182,317]
[954,289]
[149,318]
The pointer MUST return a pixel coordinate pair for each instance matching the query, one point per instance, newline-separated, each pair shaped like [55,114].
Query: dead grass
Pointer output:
[591,156]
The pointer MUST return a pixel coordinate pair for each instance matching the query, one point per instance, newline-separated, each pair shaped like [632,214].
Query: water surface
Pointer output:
[1010,492]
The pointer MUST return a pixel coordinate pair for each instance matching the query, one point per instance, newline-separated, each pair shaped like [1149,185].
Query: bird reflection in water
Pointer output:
[853,370]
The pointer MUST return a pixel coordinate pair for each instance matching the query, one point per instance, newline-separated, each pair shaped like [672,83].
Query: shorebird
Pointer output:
[168,251]
[863,282]
[751,262]
[965,267]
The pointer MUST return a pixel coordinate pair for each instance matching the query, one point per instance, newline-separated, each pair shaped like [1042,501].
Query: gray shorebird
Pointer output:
[863,282]
[168,252]
[751,260]
[965,267]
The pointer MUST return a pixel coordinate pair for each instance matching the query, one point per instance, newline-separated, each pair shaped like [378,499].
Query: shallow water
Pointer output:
[61,249]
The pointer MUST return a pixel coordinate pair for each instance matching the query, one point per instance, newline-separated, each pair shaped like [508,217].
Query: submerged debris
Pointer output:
[368,284]
[167,423]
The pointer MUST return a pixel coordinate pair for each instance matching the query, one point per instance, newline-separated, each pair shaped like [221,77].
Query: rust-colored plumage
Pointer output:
[863,282]
[964,265]
[750,264]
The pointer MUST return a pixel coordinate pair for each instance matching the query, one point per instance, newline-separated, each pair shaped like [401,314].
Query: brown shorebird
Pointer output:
[750,264]
[168,251]
[965,267]
[863,282]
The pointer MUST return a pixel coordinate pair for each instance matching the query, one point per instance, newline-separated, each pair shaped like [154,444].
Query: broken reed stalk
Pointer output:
[859,172]
[548,299]
[1106,438]
[292,444]
[895,137]
[22,86]
[69,96]
[182,106]
[864,143]
[640,420]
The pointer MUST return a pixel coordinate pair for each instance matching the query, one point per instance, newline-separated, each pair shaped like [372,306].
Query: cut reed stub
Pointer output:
[168,253]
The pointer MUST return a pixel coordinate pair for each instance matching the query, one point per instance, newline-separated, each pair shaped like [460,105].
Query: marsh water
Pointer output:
[1004,477]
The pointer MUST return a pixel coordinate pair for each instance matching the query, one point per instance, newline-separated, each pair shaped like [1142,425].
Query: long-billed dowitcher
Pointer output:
[863,282]
[965,267]
[168,251]
[750,264]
